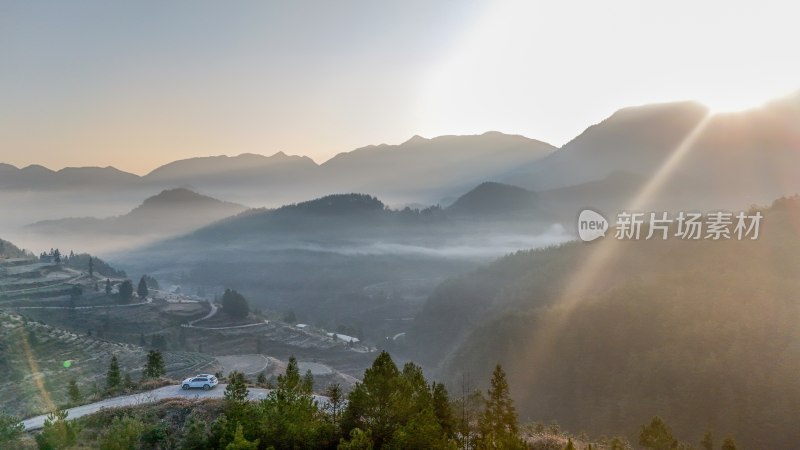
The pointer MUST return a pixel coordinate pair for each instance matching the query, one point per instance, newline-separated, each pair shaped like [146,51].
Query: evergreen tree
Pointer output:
[124,433]
[11,429]
[58,432]
[142,290]
[125,291]
[108,286]
[498,423]
[236,391]
[728,444]
[261,378]
[240,443]
[73,392]
[195,435]
[154,367]
[91,267]
[127,382]
[234,304]
[335,401]
[708,441]
[657,435]
[308,382]
[113,377]
[570,445]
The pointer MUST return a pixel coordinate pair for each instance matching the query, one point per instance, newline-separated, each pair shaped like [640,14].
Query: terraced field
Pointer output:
[38,361]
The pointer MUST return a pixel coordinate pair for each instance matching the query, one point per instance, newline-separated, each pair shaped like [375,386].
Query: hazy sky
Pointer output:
[140,83]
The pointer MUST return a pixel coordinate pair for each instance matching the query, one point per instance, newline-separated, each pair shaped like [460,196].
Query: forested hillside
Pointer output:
[702,332]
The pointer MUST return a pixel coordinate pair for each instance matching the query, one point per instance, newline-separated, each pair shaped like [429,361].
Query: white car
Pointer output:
[203,380]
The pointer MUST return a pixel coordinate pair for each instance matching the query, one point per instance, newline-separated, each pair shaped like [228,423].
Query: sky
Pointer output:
[138,84]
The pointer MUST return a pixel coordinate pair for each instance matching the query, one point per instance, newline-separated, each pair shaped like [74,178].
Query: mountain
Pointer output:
[750,156]
[9,250]
[430,168]
[170,212]
[603,336]
[39,178]
[421,167]
[495,200]
[227,175]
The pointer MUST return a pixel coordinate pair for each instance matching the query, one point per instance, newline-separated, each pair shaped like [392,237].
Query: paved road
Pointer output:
[155,395]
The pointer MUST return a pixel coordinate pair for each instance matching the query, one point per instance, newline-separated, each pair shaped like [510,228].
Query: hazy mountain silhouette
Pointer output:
[750,156]
[170,212]
[39,178]
[495,200]
[431,168]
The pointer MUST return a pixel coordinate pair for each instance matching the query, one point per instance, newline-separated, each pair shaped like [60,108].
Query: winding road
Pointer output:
[174,391]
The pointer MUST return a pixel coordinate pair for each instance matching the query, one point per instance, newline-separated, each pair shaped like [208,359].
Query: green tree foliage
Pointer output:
[108,286]
[707,443]
[657,435]
[125,433]
[728,444]
[58,432]
[498,424]
[154,367]
[125,291]
[151,282]
[240,442]
[236,391]
[359,440]
[11,429]
[142,290]
[396,407]
[335,402]
[571,446]
[234,304]
[73,392]
[113,376]
[195,434]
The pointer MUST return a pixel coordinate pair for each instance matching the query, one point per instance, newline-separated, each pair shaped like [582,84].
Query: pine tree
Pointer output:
[73,392]
[335,400]
[498,423]
[125,291]
[142,290]
[307,384]
[155,365]
[239,441]
[728,444]
[657,435]
[113,377]
[91,267]
[570,445]
[708,441]
[108,286]
[236,391]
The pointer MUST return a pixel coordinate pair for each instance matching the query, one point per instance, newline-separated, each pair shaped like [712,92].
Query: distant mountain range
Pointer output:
[429,168]
[171,212]
[726,161]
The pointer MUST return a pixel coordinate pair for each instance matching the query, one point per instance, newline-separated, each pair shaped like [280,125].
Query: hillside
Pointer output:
[9,250]
[688,330]
[728,157]
[38,361]
[342,259]
[170,212]
[495,200]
